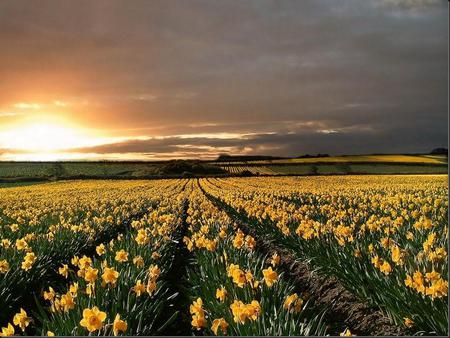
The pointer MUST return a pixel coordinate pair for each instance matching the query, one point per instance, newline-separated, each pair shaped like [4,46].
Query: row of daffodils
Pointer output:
[235,290]
[383,237]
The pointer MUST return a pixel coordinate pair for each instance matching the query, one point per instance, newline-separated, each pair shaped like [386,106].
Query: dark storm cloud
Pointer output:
[261,66]
[354,139]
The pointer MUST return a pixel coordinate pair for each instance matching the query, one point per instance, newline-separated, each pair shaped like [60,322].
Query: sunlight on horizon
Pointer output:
[44,137]
[73,156]
[48,141]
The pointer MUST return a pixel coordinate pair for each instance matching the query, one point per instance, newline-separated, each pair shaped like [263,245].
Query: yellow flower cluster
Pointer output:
[198,314]
[241,312]
[21,320]
[432,284]
[28,261]
[240,277]
[150,287]
[241,240]
[293,303]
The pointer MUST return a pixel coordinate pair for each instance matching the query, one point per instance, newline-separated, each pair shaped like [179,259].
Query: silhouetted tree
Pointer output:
[439,151]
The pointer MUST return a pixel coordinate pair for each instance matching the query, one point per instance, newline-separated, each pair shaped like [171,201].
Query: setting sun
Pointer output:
[49,139]
[44,137]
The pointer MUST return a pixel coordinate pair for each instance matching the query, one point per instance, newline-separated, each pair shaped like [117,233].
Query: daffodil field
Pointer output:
[189,256]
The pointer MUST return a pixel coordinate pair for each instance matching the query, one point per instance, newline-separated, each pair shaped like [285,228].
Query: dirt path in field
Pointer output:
[344,310]
[175,277]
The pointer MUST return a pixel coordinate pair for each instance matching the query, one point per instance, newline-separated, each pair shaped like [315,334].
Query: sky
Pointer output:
[193,79]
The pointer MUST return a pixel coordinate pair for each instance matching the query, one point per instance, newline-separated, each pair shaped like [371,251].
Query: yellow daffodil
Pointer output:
[110,276]
[90,275]
[64,271]
[139,288]
[4,266]
[270,276]
[221,294]
[293,302]
[67,302]
[22,320]
[7,331]
[100,249]
[346,333]
[119,326]
[93,319]
[121,256]
[219,323]
[408,322]
[138,261]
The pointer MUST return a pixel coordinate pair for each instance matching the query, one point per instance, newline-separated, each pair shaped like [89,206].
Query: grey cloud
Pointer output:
[355,139]
[412,4]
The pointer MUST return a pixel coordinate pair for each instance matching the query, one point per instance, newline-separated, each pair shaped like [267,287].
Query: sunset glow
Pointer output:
[49,141]
[44,137]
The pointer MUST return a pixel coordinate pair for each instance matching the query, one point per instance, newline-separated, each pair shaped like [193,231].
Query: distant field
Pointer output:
[32,169]
[397,169]
[373,158]
[426,159]
[361,164]
[17,184]
[337,168]
[255,170]
[370,164]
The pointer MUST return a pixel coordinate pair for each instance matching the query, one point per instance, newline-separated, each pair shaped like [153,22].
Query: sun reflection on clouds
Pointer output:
[60,103]
[26,105]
